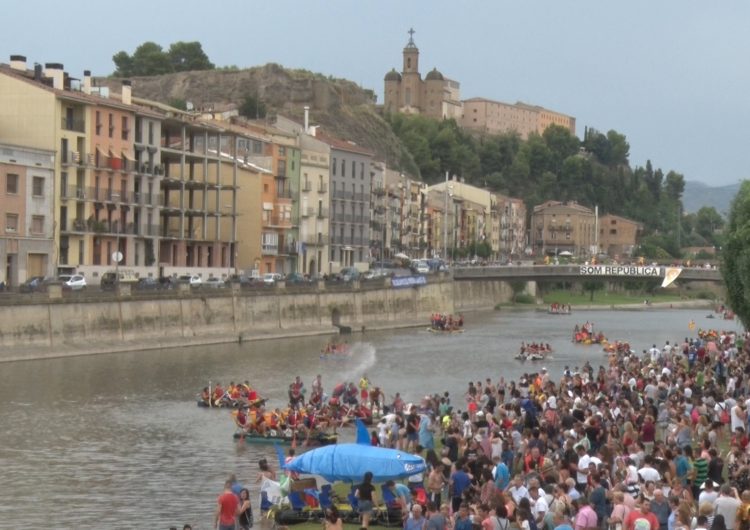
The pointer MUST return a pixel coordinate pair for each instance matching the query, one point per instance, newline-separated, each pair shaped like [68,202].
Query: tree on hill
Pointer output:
[150,59]
[252,108]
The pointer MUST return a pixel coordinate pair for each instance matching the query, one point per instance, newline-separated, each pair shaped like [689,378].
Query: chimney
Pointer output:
[127,92]
[86,82]
[307,119]
[57,72]
[18,62]
[37,72]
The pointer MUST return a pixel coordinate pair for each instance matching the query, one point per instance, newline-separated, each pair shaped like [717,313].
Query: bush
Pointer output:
[704,295]
[525,299]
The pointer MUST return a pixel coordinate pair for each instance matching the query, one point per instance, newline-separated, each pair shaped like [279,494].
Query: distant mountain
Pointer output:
[697,195]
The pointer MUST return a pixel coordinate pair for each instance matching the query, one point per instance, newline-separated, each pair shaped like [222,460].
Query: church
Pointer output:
[439,97]
[435,96]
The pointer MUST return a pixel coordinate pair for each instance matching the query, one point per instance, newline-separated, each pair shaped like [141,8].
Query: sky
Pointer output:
[671,75]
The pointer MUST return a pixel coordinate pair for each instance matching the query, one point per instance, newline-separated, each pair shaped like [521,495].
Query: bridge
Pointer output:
[583,273]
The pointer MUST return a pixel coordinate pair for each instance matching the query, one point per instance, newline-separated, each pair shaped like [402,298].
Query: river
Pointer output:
[116,441]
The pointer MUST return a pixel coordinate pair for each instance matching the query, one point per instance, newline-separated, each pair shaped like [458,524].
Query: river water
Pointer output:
[117,441]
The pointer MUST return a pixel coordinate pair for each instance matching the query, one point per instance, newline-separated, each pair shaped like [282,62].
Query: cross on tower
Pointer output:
[411,33]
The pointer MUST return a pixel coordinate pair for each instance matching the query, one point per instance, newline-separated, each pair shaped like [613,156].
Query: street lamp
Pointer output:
[117,255]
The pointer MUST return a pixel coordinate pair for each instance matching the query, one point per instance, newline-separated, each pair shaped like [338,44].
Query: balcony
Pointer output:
[315,240]
[322,187]
[284,194]
[321,213]
[358,196]
[270,250]
[340,194]
[306,187]
[73,124]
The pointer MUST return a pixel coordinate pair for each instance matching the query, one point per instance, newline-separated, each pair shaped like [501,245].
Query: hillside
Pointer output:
[339,106]
[698,194]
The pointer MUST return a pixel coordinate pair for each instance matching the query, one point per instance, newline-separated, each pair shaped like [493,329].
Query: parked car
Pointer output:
[111,279]
[270,278]
[420,266]
[244,281]
[148,284]
[296,277]
[214,283]
[34,284]
[349,274]
[72,282]
[193,280]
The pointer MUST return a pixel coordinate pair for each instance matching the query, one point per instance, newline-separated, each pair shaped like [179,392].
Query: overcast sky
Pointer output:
[672,75]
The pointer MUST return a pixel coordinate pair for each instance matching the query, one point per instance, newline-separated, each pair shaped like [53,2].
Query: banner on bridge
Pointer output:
[650,271]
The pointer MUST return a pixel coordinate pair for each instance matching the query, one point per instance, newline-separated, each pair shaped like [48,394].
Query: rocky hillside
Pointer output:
[339,106]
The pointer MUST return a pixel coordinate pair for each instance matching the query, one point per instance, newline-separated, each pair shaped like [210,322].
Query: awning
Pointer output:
[268,206]
[128,156]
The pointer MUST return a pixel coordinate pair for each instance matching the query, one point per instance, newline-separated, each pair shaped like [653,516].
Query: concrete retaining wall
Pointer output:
[50,328]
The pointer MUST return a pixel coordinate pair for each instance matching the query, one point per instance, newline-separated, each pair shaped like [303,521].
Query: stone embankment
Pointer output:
[53,325]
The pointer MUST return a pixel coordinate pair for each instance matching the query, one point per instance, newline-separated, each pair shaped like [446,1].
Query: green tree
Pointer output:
[150,59]
[252,107]
[188,56]
[592,286]
[735,267]
[707,222]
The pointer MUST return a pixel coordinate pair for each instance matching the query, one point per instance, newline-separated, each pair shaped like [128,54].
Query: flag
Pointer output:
[670,275]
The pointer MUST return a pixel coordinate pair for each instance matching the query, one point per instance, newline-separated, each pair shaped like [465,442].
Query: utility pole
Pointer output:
[445,221]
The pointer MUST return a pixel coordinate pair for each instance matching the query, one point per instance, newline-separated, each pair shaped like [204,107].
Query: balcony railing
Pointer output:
[93,226]
[271,250]
[306,187]
[322,187]
[315,240]
[87,193]
[284,194]
[73,124]
[322,213]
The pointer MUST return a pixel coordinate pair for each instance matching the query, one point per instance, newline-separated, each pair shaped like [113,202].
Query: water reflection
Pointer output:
[116,441]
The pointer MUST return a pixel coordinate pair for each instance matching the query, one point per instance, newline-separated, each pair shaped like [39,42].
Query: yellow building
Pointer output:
[495,117]
[618,235]
[558,227]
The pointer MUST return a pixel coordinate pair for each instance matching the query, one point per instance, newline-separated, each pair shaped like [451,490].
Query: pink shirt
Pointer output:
[586,518]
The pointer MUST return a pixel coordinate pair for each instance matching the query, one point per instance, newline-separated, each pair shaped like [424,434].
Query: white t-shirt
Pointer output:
[649,473]
[540,506]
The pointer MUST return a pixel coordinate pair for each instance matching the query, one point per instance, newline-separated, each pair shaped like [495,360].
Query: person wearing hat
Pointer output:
[708,492]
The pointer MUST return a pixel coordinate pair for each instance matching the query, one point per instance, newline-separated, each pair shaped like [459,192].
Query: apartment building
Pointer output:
[280,243]
[349,204]
[618,235]
[136,181]
[508,227]
[26,223]
[312,195]
[563,227]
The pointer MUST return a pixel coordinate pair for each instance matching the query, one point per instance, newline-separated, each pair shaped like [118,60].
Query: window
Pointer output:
[343,168]
[11,183]
[282,150]
[38,186]
[354,169]
[98,122]
[334,167]
[111,125]
[11,222]
[37,224]
[125,128]
[362,170]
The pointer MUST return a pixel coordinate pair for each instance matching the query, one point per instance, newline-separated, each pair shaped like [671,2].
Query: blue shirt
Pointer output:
[461,481]
[502,476]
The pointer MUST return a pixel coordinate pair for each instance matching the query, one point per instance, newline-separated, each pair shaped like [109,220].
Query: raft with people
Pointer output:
[234,396]
[559,309]
[534,351]
[318,439]
[585,334]
[336,350]
[441,323]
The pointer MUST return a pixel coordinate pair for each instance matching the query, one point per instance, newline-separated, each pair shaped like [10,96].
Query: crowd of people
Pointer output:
[443,322]
[656,440]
